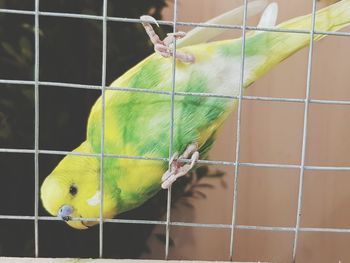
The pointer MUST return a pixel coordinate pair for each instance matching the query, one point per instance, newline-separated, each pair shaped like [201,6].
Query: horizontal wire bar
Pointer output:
[13,217]
[327,230]
[187,224]
[136,221]
[169,23]
[210,162]
[266,228]
[8,150]
[17,82]
[268,165]
[16,11]
[199,94]
[335,102]
[184,224]
[327,168]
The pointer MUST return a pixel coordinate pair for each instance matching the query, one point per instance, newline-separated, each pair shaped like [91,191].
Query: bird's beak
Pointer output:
[65,212]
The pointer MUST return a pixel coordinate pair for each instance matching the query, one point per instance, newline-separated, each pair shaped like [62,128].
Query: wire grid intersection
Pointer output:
[105,18]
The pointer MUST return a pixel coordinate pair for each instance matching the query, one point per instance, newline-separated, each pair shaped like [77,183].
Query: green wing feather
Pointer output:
[138,124]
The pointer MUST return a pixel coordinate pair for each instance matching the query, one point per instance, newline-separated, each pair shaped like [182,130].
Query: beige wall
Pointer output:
[272,133]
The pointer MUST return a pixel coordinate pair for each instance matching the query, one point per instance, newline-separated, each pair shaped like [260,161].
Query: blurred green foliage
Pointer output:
[71,52]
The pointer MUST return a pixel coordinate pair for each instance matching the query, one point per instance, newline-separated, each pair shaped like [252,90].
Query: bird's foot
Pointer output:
[165,47]
[178,169]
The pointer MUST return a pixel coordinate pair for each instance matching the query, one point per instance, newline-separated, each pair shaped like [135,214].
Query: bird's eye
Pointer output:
[73,190]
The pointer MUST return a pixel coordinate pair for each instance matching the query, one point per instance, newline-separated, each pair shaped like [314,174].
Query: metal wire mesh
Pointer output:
[306,112]
[238,135]
[168,223]
[36,130]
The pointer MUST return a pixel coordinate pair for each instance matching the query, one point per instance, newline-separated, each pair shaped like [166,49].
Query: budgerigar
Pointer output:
[138,123]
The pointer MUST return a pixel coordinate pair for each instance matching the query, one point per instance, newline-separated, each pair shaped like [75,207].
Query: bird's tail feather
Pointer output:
[328,19]
[277,46]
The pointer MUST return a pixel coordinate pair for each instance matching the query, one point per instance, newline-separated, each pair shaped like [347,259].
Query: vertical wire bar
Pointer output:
[103,87]
[238,135]
[306,113]
[171,143]
[36,128]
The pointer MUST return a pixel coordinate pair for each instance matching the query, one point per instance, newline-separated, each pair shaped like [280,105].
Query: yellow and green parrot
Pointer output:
[138,123]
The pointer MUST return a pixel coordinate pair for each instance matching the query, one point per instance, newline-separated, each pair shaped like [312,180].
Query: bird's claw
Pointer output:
[168,173]
[148,19]
[165,47]
[176,169]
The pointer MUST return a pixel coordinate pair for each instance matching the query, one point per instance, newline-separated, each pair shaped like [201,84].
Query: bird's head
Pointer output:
[72,191]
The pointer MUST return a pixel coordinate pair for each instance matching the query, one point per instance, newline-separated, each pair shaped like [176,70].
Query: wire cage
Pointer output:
[301,168]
